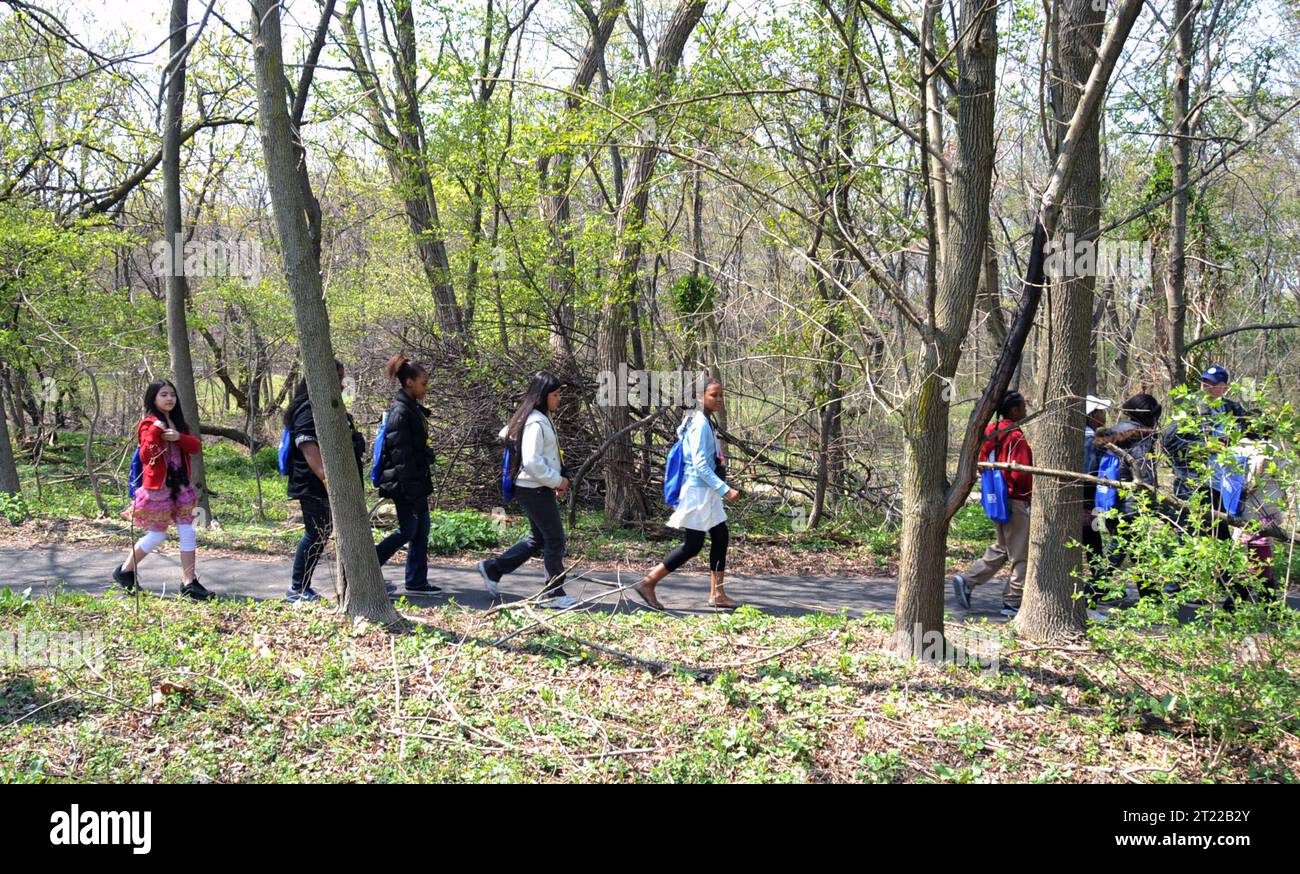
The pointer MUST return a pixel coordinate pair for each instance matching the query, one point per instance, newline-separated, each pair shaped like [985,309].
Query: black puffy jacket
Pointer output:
[406,462]
[303,483]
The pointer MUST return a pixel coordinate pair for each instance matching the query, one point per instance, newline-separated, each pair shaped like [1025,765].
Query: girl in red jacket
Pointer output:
[1005,441]
[165,496]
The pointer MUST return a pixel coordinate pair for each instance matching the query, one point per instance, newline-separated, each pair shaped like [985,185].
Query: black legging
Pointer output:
[694,542]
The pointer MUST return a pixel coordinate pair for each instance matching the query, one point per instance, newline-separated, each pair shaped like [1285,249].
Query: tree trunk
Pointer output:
[399,131]
[624,502]
[364,595]
[1176,278]
[178,333]
[9,483]
[555,172]
[918,609]
[1050,610]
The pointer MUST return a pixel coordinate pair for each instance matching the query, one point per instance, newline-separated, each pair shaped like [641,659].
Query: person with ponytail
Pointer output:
[699,506]
[307,486]
[406,468]
[537,473]
[165,496]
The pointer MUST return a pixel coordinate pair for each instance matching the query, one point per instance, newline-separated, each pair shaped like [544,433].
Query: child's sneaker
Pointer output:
[125,579]
[297,596]
[488,583]
[559,602]
[1009,611]
[961,589]
[194,591]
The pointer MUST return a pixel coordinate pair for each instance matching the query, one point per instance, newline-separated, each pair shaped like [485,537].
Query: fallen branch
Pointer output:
[1228,332]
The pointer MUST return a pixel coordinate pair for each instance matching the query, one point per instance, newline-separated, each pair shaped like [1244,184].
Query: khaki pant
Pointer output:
[1012,544]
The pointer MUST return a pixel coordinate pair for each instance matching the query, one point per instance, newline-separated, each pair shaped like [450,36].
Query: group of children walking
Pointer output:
[533,476]
[1214,428]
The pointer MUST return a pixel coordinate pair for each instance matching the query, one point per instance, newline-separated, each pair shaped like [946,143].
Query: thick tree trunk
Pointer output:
[400,132]
[9,483]
[624,502]
[555,172]
[1176,277]
[364,595]
[918,609]
[1050,610]
[178,333]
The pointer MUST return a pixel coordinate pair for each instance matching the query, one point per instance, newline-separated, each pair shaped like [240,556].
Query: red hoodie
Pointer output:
[153,452]
[1011,445]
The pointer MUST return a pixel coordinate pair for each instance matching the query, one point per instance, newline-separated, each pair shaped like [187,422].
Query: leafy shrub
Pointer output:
[452,532]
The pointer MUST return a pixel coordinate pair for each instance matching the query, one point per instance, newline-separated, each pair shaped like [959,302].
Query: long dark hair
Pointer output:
[1143,409]
[542,384]
[177,415]
[300,396]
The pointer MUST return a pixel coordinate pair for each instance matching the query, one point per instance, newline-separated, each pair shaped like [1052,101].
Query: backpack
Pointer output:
[136,477]
[1108,496]
[286,452]
[993,493]
[1229,477]
[507,483]
[377,457]
[673,474]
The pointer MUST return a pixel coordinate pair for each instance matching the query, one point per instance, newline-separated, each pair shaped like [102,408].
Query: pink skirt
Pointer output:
[154,509]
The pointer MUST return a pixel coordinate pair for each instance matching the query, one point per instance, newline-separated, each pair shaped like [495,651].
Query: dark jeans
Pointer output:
[413,533]
[1094,551]
[693,542]
[545,539]
[316,519]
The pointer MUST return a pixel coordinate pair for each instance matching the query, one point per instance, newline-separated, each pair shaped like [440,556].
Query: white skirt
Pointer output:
[699,509]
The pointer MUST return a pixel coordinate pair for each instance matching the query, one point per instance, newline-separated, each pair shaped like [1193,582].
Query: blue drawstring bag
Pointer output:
[507,484]
[1108,496]
[136,477]
[993,493]
[1229,477]
[673,475]
[286,450]
[377,456]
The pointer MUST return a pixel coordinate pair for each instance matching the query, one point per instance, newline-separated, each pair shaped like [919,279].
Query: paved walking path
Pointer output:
[46,569]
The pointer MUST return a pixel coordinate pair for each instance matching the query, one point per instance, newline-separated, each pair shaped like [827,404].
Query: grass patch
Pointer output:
[255,692]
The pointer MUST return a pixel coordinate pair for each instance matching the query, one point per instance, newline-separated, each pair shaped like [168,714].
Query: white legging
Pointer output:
[154,539]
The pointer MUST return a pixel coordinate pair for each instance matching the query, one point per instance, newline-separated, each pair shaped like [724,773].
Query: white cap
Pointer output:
[1095,403]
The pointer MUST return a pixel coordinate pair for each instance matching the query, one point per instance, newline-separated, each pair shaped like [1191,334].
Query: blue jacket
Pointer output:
[700,453]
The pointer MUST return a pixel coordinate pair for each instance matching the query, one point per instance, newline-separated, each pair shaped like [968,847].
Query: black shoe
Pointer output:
[194,591]
[426,589]
[125,579]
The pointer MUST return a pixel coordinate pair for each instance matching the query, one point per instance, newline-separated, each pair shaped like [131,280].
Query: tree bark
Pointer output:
[399,129]
[918,609]
[624,502]
[9,483]
[178,334]
[364,595]
[1176,277]
[1050,610]
[555,172]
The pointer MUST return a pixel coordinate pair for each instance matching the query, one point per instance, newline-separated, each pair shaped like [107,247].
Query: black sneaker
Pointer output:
[194,591]
[125,579]
[426,589]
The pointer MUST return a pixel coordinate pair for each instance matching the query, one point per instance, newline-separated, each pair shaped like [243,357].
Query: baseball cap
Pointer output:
[1095,403]
[1215,374]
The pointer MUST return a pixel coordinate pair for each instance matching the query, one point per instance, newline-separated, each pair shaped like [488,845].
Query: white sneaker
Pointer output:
[490,584]
[1097,616]
[563,602]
